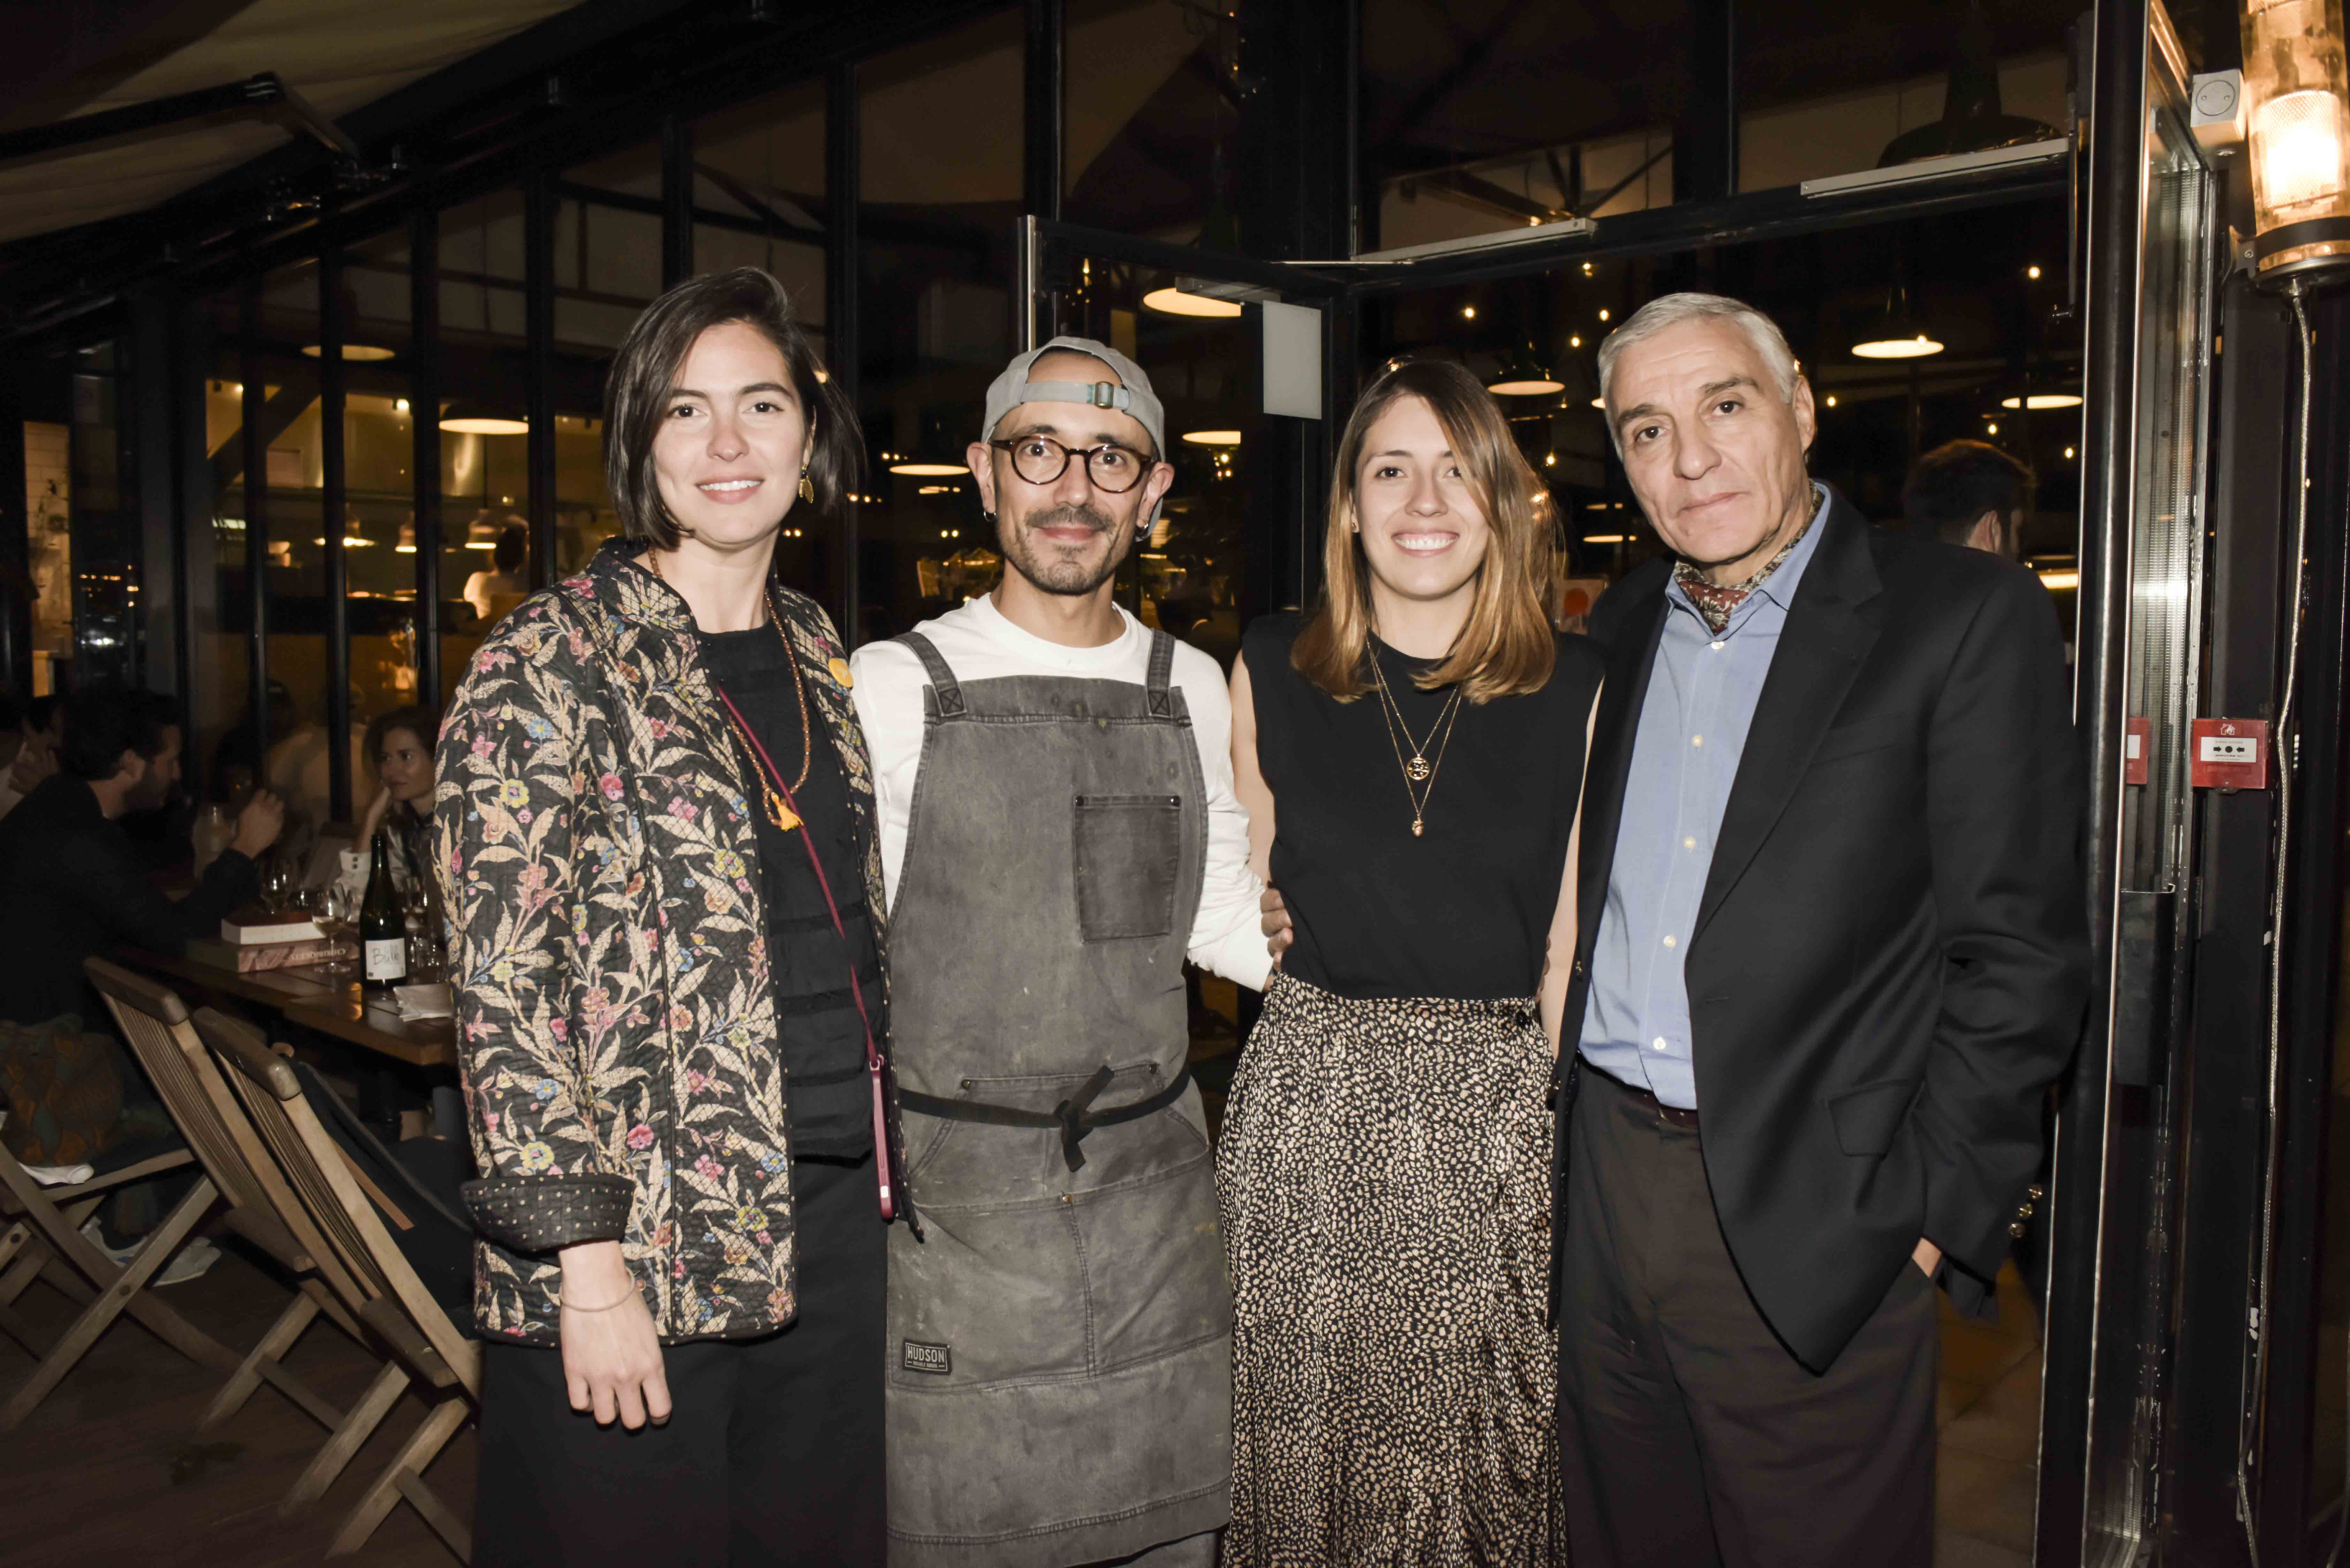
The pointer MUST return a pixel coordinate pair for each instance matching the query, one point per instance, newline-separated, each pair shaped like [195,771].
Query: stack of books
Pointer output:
[255,943]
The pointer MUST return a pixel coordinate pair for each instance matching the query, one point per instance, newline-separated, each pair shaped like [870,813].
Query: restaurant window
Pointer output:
[296,761]
[484,424]
[220,675]
[1486,116]
[759,200]
[101,577]
[379,493]
[607,269]
[1831,92]
[1146,148]
[941,184]
[48,539]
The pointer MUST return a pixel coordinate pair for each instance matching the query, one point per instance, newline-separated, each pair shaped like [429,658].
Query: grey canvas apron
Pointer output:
[1060,1340]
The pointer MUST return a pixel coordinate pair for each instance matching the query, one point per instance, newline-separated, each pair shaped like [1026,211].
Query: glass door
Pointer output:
[2153,259]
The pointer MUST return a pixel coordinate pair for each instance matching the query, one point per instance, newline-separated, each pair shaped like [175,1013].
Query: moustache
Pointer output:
[1068,517]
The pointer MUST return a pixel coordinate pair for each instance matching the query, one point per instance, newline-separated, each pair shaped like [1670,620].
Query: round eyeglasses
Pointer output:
[1041,460]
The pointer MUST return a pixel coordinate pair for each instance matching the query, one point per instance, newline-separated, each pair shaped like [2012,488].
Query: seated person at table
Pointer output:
[70,889]
[399,753]
[29,747]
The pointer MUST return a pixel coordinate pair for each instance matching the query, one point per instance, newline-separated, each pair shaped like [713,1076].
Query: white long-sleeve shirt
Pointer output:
[979,644]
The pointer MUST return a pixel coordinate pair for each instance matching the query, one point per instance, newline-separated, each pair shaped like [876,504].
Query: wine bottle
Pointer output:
[383,931]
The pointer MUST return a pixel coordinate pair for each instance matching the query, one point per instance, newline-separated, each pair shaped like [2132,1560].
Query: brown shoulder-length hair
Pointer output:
[644,371]
[1507,647]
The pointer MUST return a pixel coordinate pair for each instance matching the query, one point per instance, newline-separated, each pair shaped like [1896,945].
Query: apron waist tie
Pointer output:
[1074,1117]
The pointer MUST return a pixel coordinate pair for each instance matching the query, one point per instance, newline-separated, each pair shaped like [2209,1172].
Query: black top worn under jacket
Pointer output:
[70,888]
[817,1027]
[1890,961]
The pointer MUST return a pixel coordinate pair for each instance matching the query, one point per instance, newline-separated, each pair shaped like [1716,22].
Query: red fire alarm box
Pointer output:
[2137,747]
[2228,753]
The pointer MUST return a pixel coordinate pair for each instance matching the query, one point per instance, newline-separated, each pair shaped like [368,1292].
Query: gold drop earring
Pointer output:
[807,490]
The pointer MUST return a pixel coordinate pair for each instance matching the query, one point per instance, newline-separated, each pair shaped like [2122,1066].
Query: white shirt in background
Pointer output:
[979,644]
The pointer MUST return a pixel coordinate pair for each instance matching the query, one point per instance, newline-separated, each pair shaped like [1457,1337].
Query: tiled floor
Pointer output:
[1990,1416]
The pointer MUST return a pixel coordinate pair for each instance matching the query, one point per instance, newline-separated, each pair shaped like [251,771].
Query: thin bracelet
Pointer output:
[608,1306]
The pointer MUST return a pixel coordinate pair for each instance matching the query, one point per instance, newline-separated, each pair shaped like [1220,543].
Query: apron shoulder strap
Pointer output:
[1162,666]
[943,684]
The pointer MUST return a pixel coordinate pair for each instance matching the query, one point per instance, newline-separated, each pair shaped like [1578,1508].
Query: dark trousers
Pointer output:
[771,1455]
[1689,1434]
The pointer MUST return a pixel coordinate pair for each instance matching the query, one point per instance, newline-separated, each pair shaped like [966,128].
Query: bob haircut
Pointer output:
[637,390]
[421,722]
[1508,646]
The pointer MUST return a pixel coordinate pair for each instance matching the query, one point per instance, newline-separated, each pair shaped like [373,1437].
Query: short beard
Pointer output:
[1049,571]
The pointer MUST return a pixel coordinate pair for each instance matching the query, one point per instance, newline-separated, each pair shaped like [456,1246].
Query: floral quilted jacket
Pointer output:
[615,1016]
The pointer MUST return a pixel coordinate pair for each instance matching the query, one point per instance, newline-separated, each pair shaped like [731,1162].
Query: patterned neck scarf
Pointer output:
[1715,601]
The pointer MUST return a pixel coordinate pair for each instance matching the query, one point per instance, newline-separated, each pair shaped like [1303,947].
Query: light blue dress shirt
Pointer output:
[1702,697]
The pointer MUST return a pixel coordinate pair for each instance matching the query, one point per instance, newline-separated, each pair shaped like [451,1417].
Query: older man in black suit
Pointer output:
[1832,948]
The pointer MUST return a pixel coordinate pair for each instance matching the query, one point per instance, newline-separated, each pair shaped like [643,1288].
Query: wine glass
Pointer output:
[333,910]
[276,884]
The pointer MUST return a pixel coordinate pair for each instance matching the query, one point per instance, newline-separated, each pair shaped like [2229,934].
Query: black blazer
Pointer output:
[1891,958]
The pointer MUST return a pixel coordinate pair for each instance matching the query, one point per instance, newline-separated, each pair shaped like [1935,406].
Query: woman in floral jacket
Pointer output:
[655,842]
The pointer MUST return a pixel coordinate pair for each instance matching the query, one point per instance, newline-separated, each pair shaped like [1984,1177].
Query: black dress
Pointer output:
[1384,1171]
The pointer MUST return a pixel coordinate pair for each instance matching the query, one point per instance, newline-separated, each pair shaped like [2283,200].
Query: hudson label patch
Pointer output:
[921,1357]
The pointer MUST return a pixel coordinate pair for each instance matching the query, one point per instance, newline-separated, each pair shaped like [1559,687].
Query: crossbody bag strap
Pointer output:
[882,1173]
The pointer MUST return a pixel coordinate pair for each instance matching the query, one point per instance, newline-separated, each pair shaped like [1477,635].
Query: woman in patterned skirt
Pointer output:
[1411,756]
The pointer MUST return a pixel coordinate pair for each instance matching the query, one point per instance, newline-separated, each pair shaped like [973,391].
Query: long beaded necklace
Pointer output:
[1421,770]
[779,811]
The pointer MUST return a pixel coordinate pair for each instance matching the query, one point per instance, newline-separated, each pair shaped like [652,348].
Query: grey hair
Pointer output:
[1671,310]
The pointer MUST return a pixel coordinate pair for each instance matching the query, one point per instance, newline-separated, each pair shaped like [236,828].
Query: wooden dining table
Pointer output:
[331,1004]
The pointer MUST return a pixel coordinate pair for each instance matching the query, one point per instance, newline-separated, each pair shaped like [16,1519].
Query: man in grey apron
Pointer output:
[1053,784]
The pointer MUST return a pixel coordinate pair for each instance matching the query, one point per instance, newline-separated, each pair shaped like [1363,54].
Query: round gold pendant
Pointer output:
[1415,828]
[1417,770]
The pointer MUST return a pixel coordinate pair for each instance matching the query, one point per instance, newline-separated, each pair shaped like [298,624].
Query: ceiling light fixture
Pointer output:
[2043,400]
[1525,377]
[1173,301]
[348,314]
[1914,346]
[1604,538]
[2057,580]
[1212,437]
[1896,331]
[469,416]
[928,470]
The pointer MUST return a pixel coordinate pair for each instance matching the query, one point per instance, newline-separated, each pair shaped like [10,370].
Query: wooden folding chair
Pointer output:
[426,1348]
[261,1207]
[44,1240]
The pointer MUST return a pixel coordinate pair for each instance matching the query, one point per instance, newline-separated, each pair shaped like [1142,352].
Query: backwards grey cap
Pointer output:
[1014,387]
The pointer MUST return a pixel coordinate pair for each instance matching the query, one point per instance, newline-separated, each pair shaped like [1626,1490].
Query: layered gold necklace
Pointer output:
[1419,770]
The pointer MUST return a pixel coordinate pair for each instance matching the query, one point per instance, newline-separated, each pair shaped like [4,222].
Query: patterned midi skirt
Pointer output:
[1383,1177]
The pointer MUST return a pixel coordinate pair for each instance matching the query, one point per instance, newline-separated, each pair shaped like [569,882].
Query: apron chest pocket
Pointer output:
[1128,849]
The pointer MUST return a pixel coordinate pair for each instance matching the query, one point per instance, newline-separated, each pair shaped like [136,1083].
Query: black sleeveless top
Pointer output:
[1464,910]
[818,1029]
